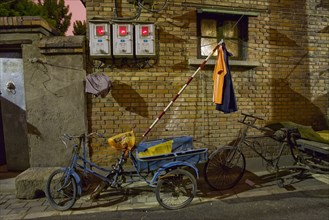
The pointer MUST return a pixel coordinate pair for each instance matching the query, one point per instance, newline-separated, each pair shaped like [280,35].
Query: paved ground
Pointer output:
[141,197]
[297,205]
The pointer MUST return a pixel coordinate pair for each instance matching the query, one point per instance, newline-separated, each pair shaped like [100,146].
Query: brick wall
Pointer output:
[291,45]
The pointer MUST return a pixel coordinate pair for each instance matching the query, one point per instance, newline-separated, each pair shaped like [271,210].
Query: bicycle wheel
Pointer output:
[225,168]
[61,191]
[176,189]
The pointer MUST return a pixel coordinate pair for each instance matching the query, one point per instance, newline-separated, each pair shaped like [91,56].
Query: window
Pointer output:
[233,28]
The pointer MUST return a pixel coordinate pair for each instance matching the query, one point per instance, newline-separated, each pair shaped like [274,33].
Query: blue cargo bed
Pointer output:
[182,150]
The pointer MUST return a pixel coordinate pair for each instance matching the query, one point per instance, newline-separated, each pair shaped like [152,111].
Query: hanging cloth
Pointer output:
[228,104]
[218,76]
[98,84]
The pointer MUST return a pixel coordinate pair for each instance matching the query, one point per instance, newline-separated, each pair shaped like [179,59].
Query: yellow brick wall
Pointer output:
[291,82]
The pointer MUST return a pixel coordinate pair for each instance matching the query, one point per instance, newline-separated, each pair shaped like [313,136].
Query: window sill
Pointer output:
[236,63]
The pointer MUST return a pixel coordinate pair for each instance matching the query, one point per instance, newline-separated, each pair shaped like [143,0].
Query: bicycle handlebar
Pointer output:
[70,137]
[251,116]
[67,137]
[251,123]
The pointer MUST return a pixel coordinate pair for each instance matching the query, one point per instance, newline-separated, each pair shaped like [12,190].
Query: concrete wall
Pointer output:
[288,48]
[54,72]
[54,91]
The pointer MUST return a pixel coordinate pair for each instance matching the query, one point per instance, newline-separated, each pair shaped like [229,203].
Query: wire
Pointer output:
[140,4]
[237,22]
[136,16]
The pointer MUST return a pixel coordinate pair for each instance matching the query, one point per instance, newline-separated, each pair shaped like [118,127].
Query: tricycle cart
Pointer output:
[175,187]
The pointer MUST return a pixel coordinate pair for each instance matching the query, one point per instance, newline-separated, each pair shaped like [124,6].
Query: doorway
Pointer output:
[13,131]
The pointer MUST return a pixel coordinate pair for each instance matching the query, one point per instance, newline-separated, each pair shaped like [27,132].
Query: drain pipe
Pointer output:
[115,9]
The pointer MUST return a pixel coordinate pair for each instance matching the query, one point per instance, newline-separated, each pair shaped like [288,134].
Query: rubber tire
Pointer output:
[52,199]
[218,175]
[175,178]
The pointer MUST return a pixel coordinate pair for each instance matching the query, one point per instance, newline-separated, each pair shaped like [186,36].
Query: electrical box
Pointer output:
[145,40]
[122,40]
[99,39]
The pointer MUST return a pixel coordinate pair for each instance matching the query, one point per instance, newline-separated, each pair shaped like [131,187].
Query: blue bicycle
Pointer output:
[160,163]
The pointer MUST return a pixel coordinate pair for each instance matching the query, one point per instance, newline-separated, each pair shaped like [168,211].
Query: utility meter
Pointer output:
[122,40]
[99,39]
[145,40]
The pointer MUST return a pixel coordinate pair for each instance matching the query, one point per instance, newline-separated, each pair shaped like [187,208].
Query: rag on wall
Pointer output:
[98,84]
[226,101]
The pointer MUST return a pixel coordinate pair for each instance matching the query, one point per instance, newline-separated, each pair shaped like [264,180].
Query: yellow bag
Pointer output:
[123,141]
[324,134]
[163,148]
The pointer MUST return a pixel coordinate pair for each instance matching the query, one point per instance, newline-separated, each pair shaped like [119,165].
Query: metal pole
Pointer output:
[182,89]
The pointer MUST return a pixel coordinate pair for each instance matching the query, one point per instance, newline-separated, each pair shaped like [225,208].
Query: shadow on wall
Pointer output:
[31,129]
[15,144]
[129,99]
[297,108]
[181,21]
[168,37]
[324,30]
[323,4]
[282,39]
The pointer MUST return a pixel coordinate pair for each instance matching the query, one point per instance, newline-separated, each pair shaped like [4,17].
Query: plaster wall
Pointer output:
[54,72]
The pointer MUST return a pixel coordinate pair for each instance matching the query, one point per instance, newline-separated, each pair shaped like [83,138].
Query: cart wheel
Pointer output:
[61,191]
[176,189]
[225,168]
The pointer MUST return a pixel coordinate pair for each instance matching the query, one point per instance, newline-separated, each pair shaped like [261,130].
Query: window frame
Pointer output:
[242,23]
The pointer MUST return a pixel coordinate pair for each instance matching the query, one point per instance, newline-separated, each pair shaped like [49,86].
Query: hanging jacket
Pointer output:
[228,104]
[218,76]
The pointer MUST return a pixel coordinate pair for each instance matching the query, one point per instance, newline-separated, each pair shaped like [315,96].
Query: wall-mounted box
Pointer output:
[100,38]
[144,40]
[122,40]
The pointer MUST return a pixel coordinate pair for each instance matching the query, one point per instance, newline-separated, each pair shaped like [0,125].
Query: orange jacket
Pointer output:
[218,76]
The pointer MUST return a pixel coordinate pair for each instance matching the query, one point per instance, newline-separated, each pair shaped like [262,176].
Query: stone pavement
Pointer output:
[140,196]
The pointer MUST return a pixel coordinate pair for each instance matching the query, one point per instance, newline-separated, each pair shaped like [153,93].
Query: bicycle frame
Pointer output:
[270,161]
[81,162]
[245,139]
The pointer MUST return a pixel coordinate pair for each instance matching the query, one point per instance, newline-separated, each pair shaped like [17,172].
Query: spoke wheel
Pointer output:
[61,191]
[176,189]
[225,168]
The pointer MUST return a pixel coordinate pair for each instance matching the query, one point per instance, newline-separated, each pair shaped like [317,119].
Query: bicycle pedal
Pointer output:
[250,183]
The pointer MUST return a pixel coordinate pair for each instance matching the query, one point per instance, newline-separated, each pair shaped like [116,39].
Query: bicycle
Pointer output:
[227,164]
[308,156]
